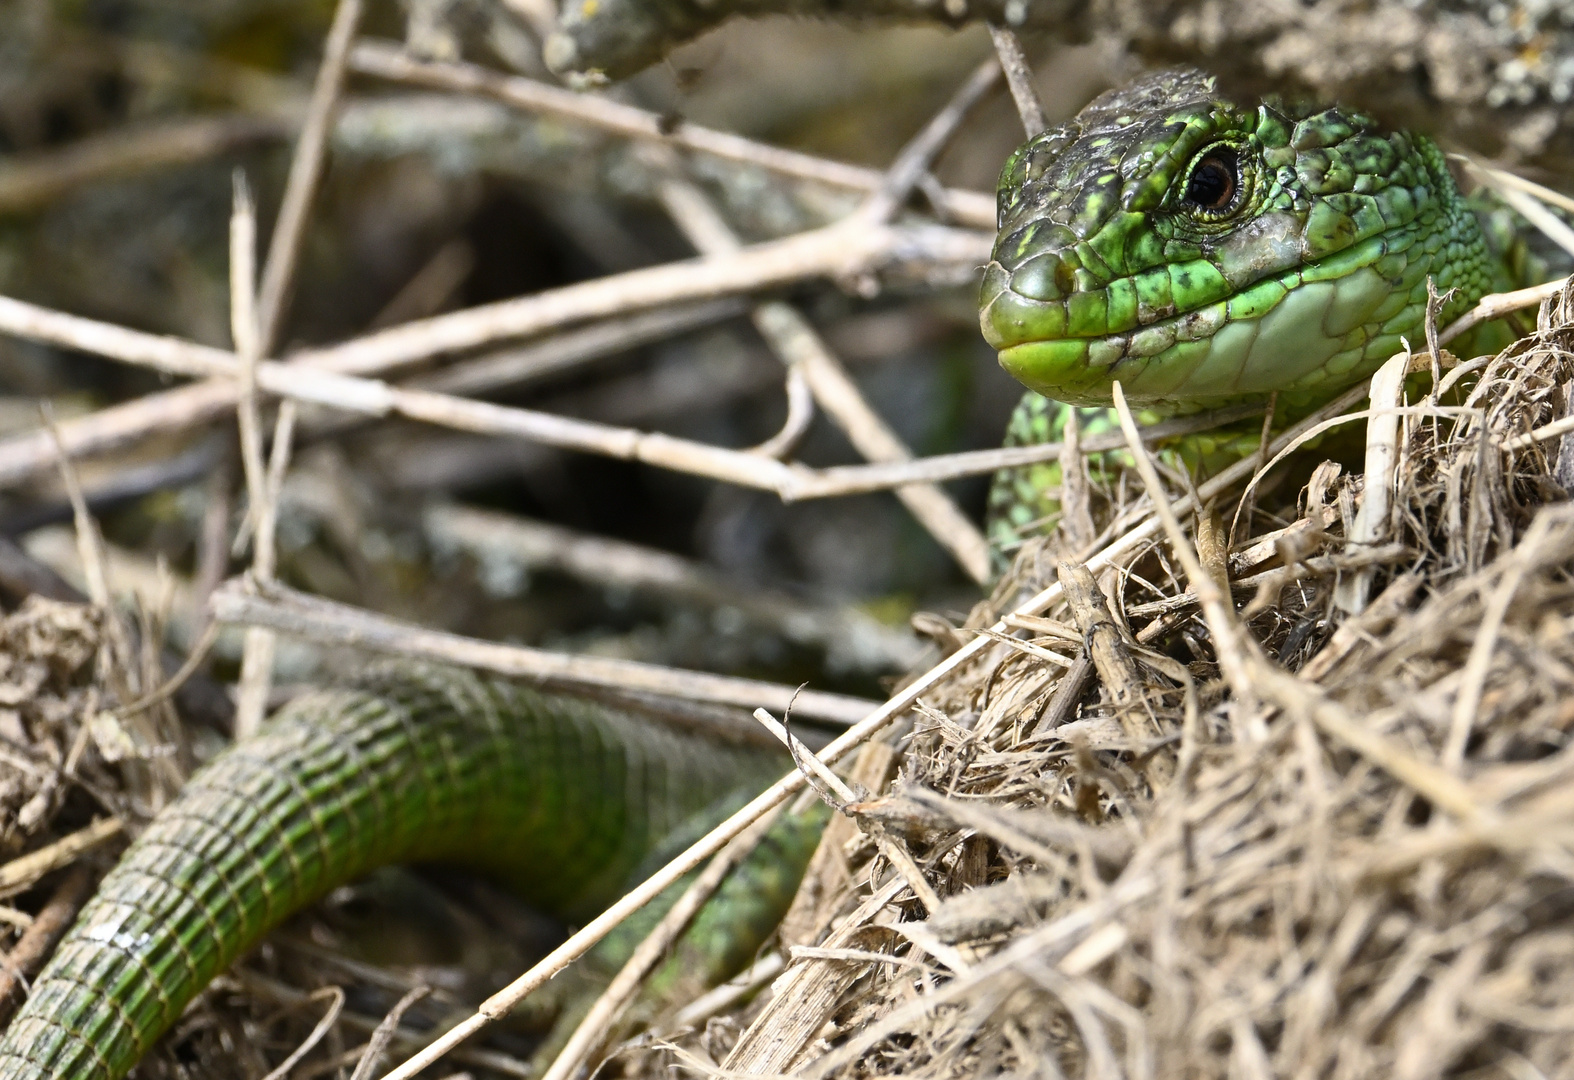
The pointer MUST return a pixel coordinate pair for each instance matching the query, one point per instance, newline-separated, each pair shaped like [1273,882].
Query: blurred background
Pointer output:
[121,123]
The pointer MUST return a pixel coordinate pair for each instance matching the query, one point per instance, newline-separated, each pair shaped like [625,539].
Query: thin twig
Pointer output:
[1019,76]
[504,1000]
[192,664]
[839,480]
[263,323]
[33,180]
[562,352]
[822,776]
[278,274]
[251,696]
[389,61]
[1541,434]
[792,335]
[494,537]
[597,1025]
[915,159]
[271,989]
[370,397]
[377,1045]
[213,541]
[800,415]
[39,939]
[797,343]
[833,251]
[1496,305]
[335,997]
[24,871]
[287,611]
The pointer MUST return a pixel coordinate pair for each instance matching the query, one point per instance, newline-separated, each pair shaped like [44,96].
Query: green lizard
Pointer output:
[1200,251]
[1205,254]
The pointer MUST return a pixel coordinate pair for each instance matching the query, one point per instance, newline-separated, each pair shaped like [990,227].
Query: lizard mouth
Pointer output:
[1309,331]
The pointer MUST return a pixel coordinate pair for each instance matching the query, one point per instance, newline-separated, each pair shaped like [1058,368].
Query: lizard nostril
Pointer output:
[1044,277]
[1065,276]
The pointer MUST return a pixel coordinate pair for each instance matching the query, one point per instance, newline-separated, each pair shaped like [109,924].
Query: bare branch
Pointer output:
[974,208]
[287,611]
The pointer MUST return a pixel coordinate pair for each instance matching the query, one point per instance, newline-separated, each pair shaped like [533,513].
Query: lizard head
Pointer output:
[1203,251]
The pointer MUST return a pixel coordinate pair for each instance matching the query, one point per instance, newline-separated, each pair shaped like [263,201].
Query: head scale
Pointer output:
[1203,251]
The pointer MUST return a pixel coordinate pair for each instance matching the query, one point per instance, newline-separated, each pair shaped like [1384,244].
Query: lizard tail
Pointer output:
[560,799]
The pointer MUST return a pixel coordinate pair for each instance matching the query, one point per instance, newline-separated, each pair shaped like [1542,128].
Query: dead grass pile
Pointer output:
[1362,872]
[81,739]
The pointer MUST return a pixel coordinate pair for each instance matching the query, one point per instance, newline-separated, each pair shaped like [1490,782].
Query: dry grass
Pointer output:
[1176,882]
[1127,869]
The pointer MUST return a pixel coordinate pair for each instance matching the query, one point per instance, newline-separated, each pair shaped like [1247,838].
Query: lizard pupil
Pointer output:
[1212,184]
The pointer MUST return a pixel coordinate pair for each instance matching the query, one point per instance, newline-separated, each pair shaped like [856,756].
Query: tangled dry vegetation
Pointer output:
[1125,839]
[1148,875]
[1087,853]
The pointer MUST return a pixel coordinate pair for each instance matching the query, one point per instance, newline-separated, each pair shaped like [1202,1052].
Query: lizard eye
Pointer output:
[1214,180]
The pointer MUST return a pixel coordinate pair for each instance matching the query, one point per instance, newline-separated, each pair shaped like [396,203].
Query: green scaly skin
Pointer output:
[1307,272]
[561,800]
[1303,283]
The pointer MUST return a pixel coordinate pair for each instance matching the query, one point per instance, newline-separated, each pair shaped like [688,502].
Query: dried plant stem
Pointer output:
[40,938]
[1501,179]
[278,273]
[596,1027]
[1229,638]
[383,1034]
[287,611]
[841,480]
[388,61]
[729,994]
[571,348]
[251,696]
[823,777]
[1473,677]
[213,541]
[1496,305]
[534,545]
[795,425]
[1382,461]
[1106,647]
[801,348]
[1535,211]
[914,160]
[833,388]
[1546,432]
[32,180]
[1019,76]
[500,1003]
[832,251]
[270,989]
[335,997]
[24,871]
